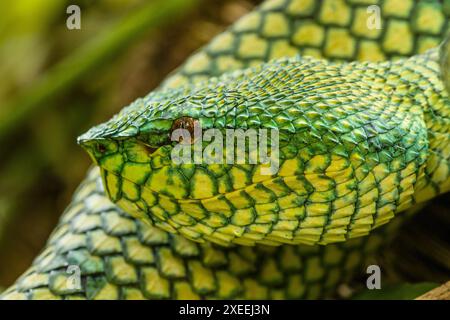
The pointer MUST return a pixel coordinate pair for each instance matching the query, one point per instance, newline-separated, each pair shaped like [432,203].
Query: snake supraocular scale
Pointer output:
[359,143]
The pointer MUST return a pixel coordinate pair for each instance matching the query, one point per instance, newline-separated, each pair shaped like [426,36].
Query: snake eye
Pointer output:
[185,123]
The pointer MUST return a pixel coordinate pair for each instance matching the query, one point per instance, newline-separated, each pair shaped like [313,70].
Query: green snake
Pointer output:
[363,120]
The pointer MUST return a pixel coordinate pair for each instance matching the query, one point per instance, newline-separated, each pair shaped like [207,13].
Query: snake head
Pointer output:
[137,145]
[350,152]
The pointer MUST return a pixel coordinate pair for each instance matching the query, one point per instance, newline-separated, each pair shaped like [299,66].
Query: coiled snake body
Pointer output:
[359,143]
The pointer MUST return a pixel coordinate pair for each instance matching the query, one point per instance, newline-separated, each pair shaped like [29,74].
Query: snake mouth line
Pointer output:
[308,176]
[103,170]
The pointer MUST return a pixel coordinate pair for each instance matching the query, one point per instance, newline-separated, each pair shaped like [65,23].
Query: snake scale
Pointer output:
[363,119]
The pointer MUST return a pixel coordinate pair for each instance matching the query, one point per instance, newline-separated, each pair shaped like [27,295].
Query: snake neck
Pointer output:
[424,76]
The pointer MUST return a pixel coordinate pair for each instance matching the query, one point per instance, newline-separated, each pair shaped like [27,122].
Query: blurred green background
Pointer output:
[55,83]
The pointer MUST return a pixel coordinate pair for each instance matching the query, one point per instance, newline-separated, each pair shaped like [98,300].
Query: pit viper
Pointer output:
[356,90]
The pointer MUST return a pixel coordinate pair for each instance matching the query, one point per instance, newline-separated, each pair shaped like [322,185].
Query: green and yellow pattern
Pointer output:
[360,142]
[353,152]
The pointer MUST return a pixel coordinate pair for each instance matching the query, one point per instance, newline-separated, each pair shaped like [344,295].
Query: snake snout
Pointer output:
[98,148]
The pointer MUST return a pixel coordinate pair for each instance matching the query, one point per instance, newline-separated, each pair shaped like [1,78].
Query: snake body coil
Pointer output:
[360,142]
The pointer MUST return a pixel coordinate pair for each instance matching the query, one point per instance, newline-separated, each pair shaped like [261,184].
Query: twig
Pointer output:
[439,293]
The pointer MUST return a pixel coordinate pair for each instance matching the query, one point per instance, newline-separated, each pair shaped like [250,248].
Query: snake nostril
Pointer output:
[101,148]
